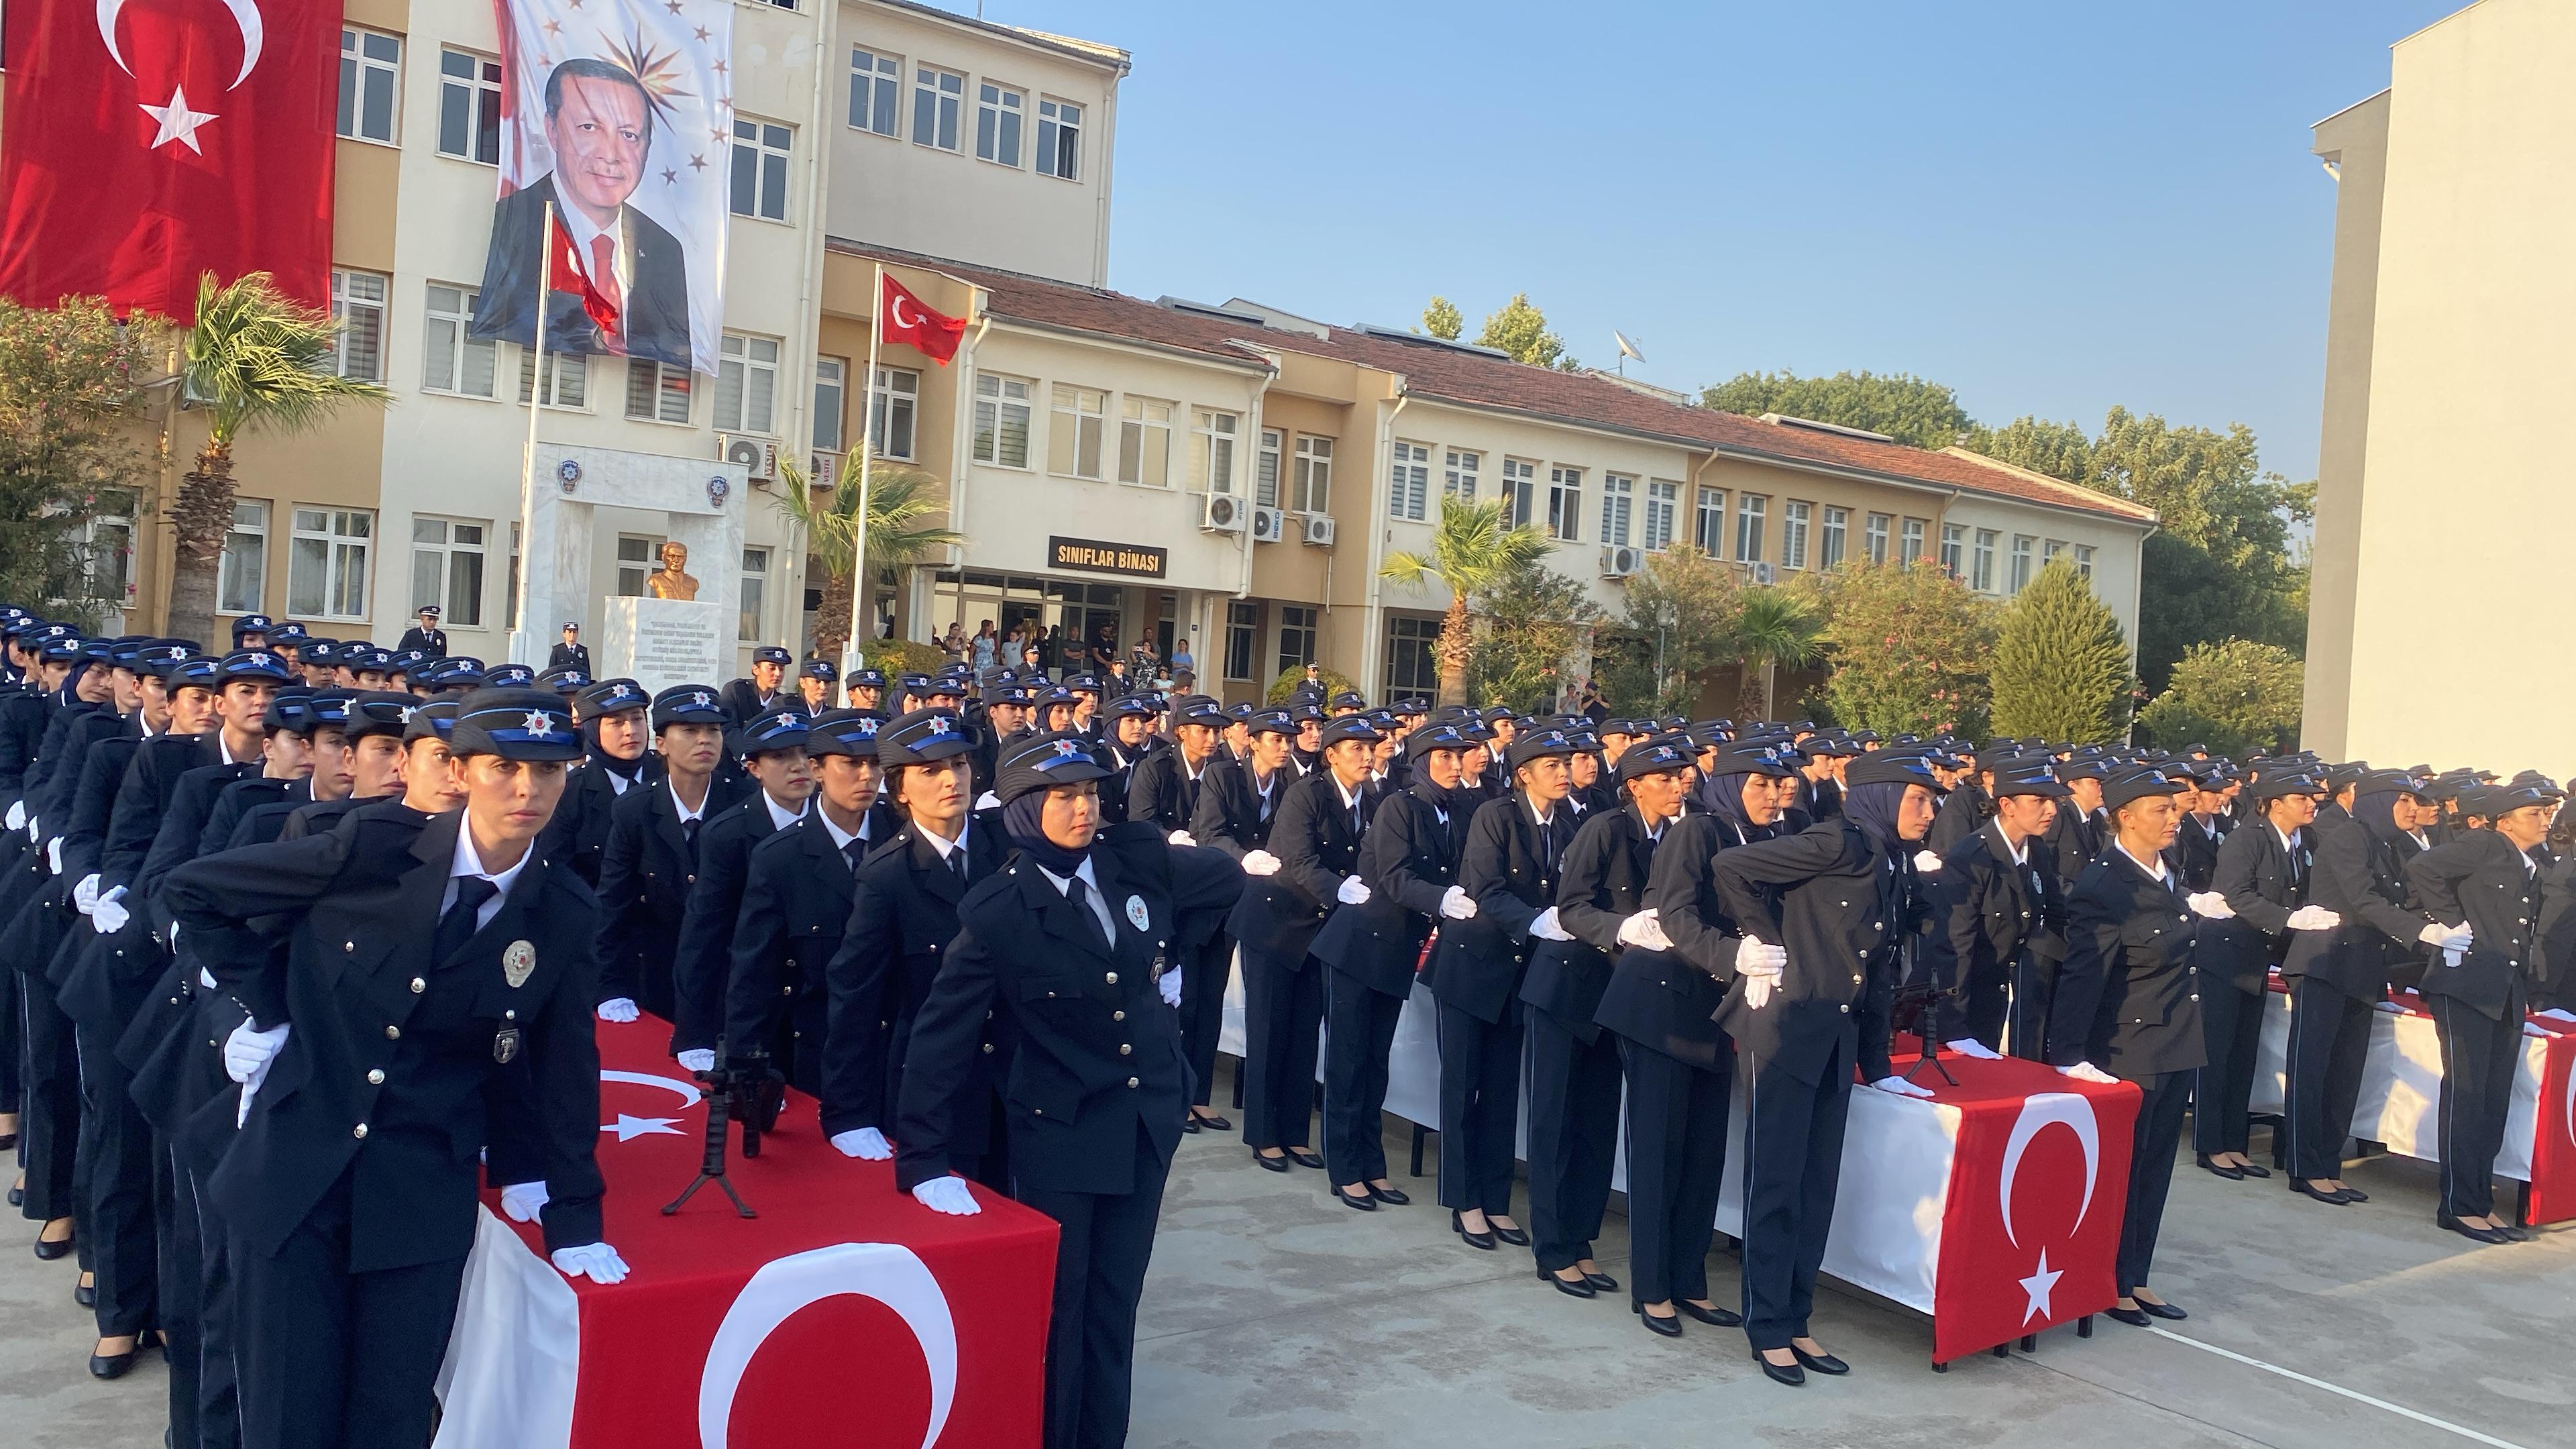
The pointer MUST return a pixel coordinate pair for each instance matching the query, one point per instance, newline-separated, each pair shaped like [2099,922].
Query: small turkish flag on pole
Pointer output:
[902,318]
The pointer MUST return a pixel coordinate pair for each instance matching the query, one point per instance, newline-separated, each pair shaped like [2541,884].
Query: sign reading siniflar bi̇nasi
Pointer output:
[1103,557]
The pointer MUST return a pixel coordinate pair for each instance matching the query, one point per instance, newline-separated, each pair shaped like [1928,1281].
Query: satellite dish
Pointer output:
[1626,347]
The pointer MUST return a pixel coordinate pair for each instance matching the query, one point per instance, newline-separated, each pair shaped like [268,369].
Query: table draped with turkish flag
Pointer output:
[150,141]
[845,1313]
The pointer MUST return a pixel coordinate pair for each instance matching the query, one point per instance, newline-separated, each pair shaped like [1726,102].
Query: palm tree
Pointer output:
[1773,629]
[1473,548]
[900,499]
[255,358]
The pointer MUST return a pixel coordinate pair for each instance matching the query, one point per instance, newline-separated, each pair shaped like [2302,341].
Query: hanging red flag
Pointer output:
[599,295]
[904,319]
[148,144]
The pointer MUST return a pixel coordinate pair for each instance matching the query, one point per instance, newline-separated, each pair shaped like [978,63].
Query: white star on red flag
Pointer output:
[2038,1285]
[178,123]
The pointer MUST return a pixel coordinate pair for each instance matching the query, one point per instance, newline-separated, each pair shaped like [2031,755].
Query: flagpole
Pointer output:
[850,659]
[523,643]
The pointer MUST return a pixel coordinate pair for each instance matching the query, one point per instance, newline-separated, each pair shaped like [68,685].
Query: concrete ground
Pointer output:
[1275,1317]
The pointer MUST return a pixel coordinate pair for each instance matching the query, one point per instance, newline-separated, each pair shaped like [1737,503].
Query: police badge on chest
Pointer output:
[518,963]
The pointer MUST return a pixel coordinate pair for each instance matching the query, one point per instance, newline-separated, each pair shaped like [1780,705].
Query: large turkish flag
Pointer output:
[151,140]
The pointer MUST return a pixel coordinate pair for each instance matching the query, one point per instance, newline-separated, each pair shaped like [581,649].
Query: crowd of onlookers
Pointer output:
[1141,665]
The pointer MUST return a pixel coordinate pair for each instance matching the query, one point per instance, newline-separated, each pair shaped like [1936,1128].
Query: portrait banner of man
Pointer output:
[615,157]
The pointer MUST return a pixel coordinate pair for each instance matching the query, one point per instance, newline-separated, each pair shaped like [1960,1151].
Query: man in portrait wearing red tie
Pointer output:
[628,292]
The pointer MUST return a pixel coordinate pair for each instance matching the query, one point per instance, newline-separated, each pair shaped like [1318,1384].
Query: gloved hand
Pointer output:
[1260,862]
[174,945]
[1970,1047]
[109,916]
[85,894]
[863,1142]
[2210,905]
[35,830]
[1545,927]
[1761,967]
[948,1195]
[248,1051]
[2087,1072]
[698,1059]
[17,817]
[522,1201]
[2314,918]
[1901,1087]
[1354,891]
[1926,862]
[988,801]
[1182,837]
[2447,938]
[1645,930]
[620,1008]
[54,855]
[1168,986]
[596,1261]
[1457,905]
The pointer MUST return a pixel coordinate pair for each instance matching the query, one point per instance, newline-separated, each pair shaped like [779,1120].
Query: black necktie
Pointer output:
[689,833]
[854,851]
[957,863]
[1076,892]
[456,927]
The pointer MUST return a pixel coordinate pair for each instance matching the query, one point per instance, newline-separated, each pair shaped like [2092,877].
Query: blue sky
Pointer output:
[2050,207]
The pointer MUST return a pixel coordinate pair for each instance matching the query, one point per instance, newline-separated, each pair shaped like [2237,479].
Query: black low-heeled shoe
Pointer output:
[1823,1363]
[1602,1282]
[1363,1202]
[1517,1237]
[2227,1170]
[2165,1311]
[2353,1194]
[1304,1158]
[1781,1373]
[1269,1164]
[116,1366]
[2254,1169]
[1391,1196]
[1214,1124]
[1579,1288]
[48,1252]
[2134,1317]
[85,1294]
[1190,1125]
[8,1141]
[2448,1223]
[1660,1327]
[2305,1187]
[1458,1225]
[17,1196]
[1713,1316]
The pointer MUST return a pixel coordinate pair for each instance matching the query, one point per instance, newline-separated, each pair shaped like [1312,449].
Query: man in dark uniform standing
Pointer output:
[570,652]
[424,636]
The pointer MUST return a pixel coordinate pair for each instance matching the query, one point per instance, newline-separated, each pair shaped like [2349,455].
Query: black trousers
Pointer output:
[1480,1105]
[13,1032]
[117,1151]
[1793,1164]
[1104,1244]
[1573,1138]
[49,1117]
[1283,1006]
[2231,1027]
[1676,1165]
[182,1313]
[2479,1055]
[2151,1162]
[1359,1032]
[2034,984]
[332,1359]
[2329,1037]
[1203,979]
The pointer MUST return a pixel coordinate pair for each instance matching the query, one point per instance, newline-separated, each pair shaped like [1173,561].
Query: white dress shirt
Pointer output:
[1099,904]
[468,861]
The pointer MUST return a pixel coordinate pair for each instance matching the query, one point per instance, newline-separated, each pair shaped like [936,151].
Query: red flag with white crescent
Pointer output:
[904,319]
[151,140]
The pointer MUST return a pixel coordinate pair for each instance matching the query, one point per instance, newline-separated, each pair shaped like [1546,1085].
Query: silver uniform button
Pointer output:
[1117,1016]
[1113,978]
[375,1076]
[1845,1009]
[393,1033]
[1126,1050]
[359,1131]
[347,946]
[418,986]
[988,1048]
[1131,1081]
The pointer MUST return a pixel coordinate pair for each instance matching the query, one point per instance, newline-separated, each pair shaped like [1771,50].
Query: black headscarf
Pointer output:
[1024,820]
[1873,808]
[1723,797]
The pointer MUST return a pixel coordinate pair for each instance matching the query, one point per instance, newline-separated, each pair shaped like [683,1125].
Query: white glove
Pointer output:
[1968,1046]
[1354,891]
[54,855]
[1926,862]
[35,831]
[1260,862]
[620,1008]
[1168,987]
[596,1261]
[2393,1008]
[174,945]
[2314,918]
[1645,929]
[248,1051]
[864,1142]
[521,1201]
[108,917]
[1761,967]
[17,817]
[988,801]
[85,895]
[2447,938]
[1182,837]
[948,1195]
[1546,929]
[1901,1087]
[698,1059]
[2210,905]
[2087,1072]
[1457,905]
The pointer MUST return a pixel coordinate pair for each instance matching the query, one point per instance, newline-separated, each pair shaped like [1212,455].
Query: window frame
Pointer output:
[1879,529]
[1066,427]
[461,608]
[1796,514]
[1833,538]
[2021,568]
[1137,424]
[481,97]
[1663,513]
[1618,508]
[832,377]
[1212,448]
[1954,549]
[1981,560]
[743,359]
[1298,622]
[2084,562]
[1408,481]
[1243,634]
[461,343]
[929,85]
[1910,534]
[896,395]
[345,307]
[663,393]
[561,368]
[1310,487]
[1267,469]
[338,549]
[766,150]
[367,68]
[1460,471]
[1006,108]
[1411,637]
[1752,513]
[227,575]
[992,412]
[1520,491]
[1708,520]
[1564,503]
[876,85]
[751,604]
[1056,119]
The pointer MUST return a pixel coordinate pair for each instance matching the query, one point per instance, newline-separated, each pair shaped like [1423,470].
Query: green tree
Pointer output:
[1908,648]
[2060,450]
[1676,623]
[902,502]
[2231,696]
[255,360]
[1443,320]
[1472,549]
[1775,629]
[1520,329]
[1905,407]
[67,381]
[1533,619]
[2061,665]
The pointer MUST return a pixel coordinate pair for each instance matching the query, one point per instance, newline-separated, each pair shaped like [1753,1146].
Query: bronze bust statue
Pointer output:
[672,580]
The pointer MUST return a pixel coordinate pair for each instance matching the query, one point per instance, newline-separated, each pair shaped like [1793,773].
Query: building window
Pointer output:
[1708,528]
[1313,484]
[2049,549]
[1075,432]
[510,582]
[755,593]
[1875,540]
[831,401]
[326,569]
[1565,503]
[1002,420]
[1982,577]
[999,110]
[2021,552]
[1833,538]
[1059,139]
[1663,501]
[1618,500]
[1909,541]
[1412,656]
[1520,492]
[469,107]
[760,152]
[1793,534]
[1954,547]
[451,361]
[875,81]
[936,95]
[107,546]
[358,303]
[1265,470]
[370,75]
[746,383]
[1145,442]
[567,378]
[1408,493]
[1212,450]
[655,392]
[1458,478]
[634,564]
[1296,636]
[447,568]
[241,578]
[890,412]
[1749,509]
[2084,562]
[1242,637]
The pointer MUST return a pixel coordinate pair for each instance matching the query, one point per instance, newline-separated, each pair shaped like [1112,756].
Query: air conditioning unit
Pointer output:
[1763,573]
[1269,525]
[1620,560]
[1222,513]
[752,453]
[1319,529]
[825,472]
